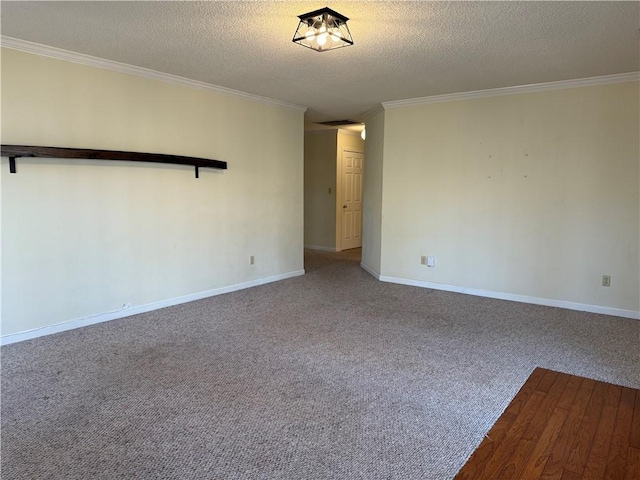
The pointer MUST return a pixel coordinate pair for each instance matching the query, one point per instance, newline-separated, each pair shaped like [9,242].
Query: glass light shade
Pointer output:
[315,28]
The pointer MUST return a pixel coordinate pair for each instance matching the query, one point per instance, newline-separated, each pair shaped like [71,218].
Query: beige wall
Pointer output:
[81,238]
[533,194]
[319,177]
[372,200]
[350,140]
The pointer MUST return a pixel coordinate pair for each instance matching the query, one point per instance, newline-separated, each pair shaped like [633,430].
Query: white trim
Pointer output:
[583,307]
[516,90]
[126,312]
[321,248]
[81,58]
[370,271]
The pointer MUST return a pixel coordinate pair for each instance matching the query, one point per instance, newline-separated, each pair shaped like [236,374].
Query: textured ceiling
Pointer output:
[402,49]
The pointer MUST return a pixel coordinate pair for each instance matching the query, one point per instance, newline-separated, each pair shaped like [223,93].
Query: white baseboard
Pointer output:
[583,307]
[370,271]
[321,248]
[105,317]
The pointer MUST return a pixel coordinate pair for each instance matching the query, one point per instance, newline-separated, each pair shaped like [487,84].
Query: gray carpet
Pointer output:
[332,375]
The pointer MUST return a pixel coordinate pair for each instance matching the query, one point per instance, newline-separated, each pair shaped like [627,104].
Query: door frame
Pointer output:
[339,201]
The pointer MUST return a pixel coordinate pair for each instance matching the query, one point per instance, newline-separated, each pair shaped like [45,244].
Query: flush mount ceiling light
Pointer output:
[323,30]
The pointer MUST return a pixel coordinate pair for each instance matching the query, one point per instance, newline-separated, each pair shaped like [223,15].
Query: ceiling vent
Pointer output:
[339,123]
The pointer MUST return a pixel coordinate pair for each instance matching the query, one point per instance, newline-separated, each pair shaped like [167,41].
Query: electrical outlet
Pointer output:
[329,189]
[423,260]
[126,305]
[606,280]
[431,261]
[252,260]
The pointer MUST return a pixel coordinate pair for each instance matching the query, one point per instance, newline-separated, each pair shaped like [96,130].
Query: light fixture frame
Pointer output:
[328,18]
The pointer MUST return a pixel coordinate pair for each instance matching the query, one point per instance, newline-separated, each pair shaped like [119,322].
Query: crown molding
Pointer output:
[81,58]
[520,89]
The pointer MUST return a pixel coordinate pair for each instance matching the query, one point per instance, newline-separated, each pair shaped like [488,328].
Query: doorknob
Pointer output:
[344,206]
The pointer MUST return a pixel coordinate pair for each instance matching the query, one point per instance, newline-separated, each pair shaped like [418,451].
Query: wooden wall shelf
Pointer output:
[16,151]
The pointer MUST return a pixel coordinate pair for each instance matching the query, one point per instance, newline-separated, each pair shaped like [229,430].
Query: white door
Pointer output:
[352,165]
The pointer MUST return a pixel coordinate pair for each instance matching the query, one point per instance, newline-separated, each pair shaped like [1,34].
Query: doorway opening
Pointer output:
[333,189]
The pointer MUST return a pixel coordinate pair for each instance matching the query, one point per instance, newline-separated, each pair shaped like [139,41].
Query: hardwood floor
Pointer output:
[563,427]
